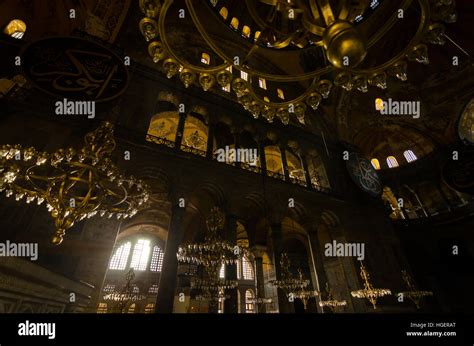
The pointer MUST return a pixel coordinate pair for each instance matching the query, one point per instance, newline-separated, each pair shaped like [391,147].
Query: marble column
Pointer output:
[210,141]
[180,131]
[258,255]
[168,277]
[316,260]
[283,303]
[286,173]
[231,303]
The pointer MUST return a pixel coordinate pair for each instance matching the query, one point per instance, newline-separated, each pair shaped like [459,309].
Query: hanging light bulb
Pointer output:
[313,100]
[284,115]
[419,54]
[344,80]
[360,83]
[399,70]
[224,77]
[171,67]
[206,80]
[324,88]
[379,80]
[156,51]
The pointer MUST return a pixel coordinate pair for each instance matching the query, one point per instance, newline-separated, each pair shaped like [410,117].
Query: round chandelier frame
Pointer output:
[319,26]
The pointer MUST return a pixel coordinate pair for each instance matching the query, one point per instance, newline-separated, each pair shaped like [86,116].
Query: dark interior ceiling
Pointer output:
[442,89]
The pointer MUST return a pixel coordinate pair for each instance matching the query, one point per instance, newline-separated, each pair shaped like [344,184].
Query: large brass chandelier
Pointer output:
[289,283]
[211,254]
[333,27]
[369,292]
[412,293]
[330,301]
[73,184]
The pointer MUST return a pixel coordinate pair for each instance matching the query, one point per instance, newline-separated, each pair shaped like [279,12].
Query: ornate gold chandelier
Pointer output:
[369,292]
[330,301]
[333,27]
[413,294]
[288,282]
[211,254]
[74,184]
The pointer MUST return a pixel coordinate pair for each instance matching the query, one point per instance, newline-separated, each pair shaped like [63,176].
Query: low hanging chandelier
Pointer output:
[211,254]
[413,294]
[127,295]
[369,292]
[330,32]
[330,301]
[288,283]
[73,184]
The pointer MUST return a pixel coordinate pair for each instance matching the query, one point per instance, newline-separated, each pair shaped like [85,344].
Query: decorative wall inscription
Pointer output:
[364,174]
[74,68]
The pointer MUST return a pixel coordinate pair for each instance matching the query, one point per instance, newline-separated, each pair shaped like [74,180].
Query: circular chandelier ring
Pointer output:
[269,76]
[393,19]
[298,99]
[416,38]
[164,41]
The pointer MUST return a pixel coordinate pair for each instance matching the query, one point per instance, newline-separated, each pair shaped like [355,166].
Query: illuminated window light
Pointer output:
[141,252]
[224,13]
[262,83]
[410,156]
[234,23]
[16,29]
[392,162]
[205,58]
[281,94]
[120,257]
[246,31]
[375,163]
[244,75]
[156,259]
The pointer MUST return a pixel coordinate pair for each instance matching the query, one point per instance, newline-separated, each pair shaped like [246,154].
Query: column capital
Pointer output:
[258,250]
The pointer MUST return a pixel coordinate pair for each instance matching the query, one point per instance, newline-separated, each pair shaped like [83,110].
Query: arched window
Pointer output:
[246,31]
[222,272]
[194,135]
[205,58]
[149,308]
[163,125]
[224,13]
[317,172]
[249,304]
[102,308]
[392,162]
[247,269]
[131,308]
[156,259]
[141,253]
[16,29]
[375,163]
[295,167]
[409,156]
[273,159]
[120,257]
[234,23]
